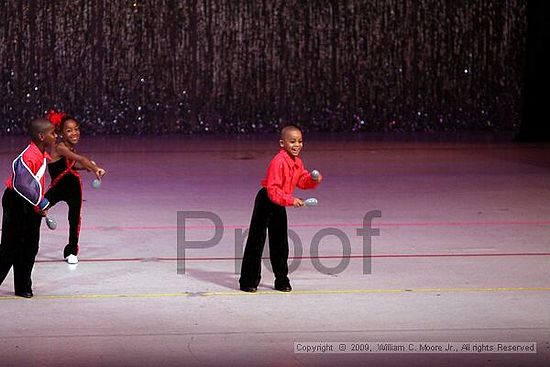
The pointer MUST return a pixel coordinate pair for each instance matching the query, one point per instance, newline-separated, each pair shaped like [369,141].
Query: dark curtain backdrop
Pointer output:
[232,66]
[535,124]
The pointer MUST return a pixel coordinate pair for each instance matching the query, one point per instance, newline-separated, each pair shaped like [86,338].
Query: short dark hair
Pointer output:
[289,128]
[37,126]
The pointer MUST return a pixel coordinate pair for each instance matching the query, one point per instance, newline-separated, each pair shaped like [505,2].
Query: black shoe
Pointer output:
[283,288]
[70,250]
[27,294]
[249,289]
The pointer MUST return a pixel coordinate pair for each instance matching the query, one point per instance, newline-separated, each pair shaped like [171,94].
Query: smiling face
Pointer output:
[70,132]
[291,141]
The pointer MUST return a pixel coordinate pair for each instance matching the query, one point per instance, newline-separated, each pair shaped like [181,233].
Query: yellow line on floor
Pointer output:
[365,291]
[102,296]
[295,292]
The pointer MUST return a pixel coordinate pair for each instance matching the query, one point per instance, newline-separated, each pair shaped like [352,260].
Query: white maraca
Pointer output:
[315,175]
[96,183]
[51,223]
[311,202]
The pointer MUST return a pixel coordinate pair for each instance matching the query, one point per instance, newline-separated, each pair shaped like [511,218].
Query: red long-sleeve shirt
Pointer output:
[283,175]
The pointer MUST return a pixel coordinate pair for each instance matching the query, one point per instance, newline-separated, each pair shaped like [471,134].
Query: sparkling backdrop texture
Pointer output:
[241,66]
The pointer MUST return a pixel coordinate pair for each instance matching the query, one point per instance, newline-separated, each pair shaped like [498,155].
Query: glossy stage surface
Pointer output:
[415,240]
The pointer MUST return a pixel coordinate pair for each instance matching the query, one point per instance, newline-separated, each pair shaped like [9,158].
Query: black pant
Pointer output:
[69,190]
[271,217]
[20,236]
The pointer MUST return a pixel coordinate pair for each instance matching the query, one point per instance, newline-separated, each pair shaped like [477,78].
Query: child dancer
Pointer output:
[285,172]
[66,184]
[24,206]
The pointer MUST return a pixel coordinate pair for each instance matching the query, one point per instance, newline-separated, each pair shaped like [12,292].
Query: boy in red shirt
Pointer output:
[284,173]
[24,206]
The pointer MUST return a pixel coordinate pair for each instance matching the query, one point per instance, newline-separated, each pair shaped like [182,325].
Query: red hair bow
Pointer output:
[56,117]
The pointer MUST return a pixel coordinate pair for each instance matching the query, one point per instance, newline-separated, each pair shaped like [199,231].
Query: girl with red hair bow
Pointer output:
[66,184]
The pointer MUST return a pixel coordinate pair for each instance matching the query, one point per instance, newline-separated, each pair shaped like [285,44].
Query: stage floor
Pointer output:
[462,255]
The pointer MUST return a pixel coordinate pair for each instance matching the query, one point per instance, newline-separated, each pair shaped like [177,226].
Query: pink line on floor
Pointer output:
[358,225]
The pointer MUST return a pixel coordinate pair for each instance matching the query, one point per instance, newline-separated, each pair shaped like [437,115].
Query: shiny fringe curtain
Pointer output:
[235,66]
